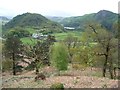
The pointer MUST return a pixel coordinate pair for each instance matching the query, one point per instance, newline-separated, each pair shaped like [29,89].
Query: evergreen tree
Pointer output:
[13,47]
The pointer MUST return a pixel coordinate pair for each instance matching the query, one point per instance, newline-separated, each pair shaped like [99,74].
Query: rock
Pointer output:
[40,76]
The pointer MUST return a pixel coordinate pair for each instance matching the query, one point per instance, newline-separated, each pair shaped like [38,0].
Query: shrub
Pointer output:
[57,86]
[59,56]
[7,65]
[78,66]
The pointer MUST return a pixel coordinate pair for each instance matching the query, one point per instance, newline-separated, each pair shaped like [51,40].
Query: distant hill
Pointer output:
[77,21]
[34,21]
[104,17]
[54,18]
[4,20]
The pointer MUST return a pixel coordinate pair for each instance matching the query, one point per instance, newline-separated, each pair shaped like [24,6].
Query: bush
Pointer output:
[59,56]
[78,66]
[57,86]
[7,65]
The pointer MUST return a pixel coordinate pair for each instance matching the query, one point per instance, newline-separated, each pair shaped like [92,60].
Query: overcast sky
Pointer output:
[56,7]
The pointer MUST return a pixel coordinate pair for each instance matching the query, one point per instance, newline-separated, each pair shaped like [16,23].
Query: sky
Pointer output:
[63,8]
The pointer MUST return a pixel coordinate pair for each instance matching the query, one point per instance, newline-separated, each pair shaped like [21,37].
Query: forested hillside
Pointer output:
[33,21]
[104,17]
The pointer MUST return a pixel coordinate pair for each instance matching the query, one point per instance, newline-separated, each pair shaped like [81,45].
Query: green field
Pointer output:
[62,36]
[28,41]
[58,36]
[30,30]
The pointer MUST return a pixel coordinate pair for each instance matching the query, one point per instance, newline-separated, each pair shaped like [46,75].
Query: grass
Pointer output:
[31,30]
[58,36]
[98,74]
[62,36]
[28,41]
[70,78]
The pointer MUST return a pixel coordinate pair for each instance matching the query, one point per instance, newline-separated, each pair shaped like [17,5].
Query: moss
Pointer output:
[58,86]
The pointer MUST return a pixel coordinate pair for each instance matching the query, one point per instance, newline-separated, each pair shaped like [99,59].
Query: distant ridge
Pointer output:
[104,17]
[3,18]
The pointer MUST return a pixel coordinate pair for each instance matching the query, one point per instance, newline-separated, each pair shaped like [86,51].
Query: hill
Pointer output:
[33,21]
[54,18]
[77,21]
[104,17]
[4,20]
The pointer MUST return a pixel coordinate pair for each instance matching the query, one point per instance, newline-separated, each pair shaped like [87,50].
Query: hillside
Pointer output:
[4,18]
[54,18]
[40,53]
[71,79]
[78,21]
[3,21]
[104,17]
[34,21]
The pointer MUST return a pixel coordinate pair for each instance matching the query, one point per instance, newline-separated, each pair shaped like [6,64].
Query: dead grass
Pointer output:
[71,79]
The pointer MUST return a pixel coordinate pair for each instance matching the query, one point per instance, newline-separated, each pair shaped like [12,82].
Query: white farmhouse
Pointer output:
[37,35]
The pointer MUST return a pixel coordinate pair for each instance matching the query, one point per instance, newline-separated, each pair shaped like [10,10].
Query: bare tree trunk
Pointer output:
[106,60]
[111,69]
[105,65]
[36,67]
[70,57]
[14,71]
[37,71]
[114,72]
[111,72]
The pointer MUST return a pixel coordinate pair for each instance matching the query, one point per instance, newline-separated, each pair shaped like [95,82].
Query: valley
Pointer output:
[60,52]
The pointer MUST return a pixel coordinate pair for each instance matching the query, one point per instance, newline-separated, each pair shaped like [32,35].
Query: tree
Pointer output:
[13,47]
[42,49]
[107,44]
[71,42]
[20,32]
[40,52]
[59,56]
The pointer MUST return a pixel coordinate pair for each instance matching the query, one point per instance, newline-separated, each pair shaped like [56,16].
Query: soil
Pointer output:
[86,78]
